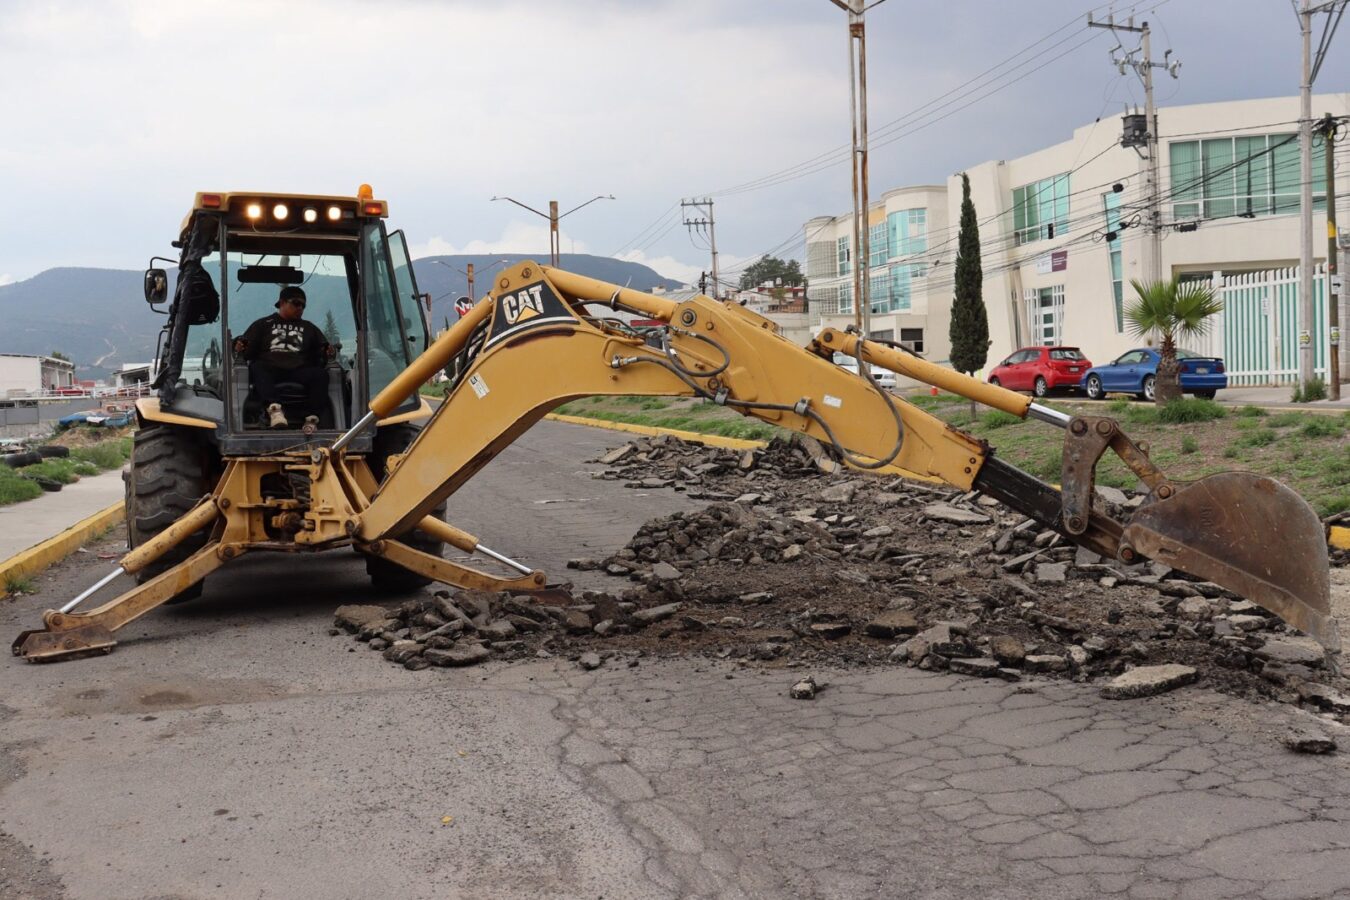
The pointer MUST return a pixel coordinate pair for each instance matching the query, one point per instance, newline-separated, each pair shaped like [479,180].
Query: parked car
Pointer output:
[883,377]
[1042,370]
[1136,371]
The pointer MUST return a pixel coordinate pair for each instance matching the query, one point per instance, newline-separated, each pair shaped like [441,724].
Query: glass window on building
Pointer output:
[1041,209]
[846,298]
[877,246]
[1255,175]
[823,300]
[842,255]
[820,260]
[912,338]
[879,286]
[903,278]
[908,231]
[1111,202]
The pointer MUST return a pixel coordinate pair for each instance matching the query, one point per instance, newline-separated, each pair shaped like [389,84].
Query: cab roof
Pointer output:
[288,213]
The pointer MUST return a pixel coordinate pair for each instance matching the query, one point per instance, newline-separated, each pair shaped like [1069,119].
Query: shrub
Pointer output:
[1230,452]
[1314,389]
[1189,444]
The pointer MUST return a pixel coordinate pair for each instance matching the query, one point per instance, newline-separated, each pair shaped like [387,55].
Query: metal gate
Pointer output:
[1257,332]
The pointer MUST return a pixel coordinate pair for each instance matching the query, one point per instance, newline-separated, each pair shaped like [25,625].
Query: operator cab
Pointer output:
[238,252]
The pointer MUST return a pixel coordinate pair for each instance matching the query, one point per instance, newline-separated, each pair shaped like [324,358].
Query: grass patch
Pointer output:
[1250,412]
[1262,437]
[20,584]
[997,418]
[14,488]
[1190,409]
[1322,426]
[106,454]
[1189,444]
[1332,505]
[1287,420]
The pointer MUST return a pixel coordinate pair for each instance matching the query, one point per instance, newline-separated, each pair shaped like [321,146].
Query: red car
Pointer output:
[1042,370]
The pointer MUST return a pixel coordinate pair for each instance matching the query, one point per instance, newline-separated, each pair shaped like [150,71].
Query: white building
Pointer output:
[1061,229]
[32,376]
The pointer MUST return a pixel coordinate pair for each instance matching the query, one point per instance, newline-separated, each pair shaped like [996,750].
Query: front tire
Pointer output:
[168,474]
[1040,388]
[1094,388]
[1148,390]
[383,573]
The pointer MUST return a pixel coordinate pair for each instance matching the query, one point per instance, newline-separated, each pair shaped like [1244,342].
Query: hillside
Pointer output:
[98,317]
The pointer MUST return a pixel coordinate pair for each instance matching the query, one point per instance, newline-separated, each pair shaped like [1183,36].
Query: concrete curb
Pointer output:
[56,548]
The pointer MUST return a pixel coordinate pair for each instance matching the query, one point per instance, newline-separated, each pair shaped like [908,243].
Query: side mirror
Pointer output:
[156,286]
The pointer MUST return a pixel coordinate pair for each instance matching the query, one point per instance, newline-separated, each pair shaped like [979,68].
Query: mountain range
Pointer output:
[98,317]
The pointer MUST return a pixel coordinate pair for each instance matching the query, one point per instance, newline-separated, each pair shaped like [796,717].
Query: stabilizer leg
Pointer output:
[447,572]
[70,634]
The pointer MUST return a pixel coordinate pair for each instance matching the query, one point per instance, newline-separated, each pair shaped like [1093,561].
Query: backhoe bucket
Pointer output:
[1250,534]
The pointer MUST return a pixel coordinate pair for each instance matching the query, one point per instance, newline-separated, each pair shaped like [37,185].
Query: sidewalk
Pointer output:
[24,526]
[1278,398]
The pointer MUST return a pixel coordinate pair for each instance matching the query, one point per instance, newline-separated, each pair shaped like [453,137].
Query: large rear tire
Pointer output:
[384,574]
[169,472]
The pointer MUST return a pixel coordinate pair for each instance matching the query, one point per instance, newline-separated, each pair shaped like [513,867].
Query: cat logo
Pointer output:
[523,305]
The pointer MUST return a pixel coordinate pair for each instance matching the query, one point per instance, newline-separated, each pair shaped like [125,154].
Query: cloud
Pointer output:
[516,237]
[6,278]
[668,266]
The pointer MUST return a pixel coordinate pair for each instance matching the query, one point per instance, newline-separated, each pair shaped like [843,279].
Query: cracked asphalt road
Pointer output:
[231,748]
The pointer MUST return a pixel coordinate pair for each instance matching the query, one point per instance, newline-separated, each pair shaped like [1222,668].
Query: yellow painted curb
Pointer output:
[1339,537]
[54,549]
[715,440]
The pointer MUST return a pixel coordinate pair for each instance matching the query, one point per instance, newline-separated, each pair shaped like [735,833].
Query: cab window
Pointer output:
[388,347]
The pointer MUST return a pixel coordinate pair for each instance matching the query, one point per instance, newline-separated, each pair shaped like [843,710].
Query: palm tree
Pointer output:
[1174,310]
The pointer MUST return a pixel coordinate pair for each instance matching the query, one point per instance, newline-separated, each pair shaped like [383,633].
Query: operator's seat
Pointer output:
[292,397]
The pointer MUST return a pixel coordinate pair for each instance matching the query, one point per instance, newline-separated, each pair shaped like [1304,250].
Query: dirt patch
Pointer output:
[797,563]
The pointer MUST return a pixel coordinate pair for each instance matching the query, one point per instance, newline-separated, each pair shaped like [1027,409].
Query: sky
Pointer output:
[116,111]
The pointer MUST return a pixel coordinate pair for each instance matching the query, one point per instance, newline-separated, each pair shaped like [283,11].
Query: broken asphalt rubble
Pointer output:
[796,561]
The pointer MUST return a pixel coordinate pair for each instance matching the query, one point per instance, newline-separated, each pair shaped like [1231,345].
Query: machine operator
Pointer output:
[283,347]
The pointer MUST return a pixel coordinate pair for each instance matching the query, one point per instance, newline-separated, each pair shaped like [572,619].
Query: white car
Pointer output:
[883,377]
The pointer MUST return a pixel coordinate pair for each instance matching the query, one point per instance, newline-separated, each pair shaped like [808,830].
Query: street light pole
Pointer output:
[554,242]
[857,90]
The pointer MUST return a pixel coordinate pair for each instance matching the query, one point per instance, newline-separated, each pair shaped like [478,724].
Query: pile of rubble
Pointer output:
[799,564]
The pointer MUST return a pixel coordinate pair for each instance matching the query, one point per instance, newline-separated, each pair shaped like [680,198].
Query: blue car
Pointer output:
[1136,371]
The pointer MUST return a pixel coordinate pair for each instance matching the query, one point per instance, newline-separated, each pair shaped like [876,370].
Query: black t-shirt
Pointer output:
[285,344]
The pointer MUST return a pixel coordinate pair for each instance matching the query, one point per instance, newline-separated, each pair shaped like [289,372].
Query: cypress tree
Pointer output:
[969,330]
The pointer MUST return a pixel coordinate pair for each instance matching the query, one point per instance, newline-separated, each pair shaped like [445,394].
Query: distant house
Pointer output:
[32,376]
[132,374]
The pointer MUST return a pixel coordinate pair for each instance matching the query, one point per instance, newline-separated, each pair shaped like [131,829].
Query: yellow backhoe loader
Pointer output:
[543,337]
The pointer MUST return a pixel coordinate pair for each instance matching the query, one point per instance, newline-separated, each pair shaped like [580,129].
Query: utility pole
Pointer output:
[1151,264]
[1311,64]
[857,97]
[1333,280]
[469,274]
[704,208]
